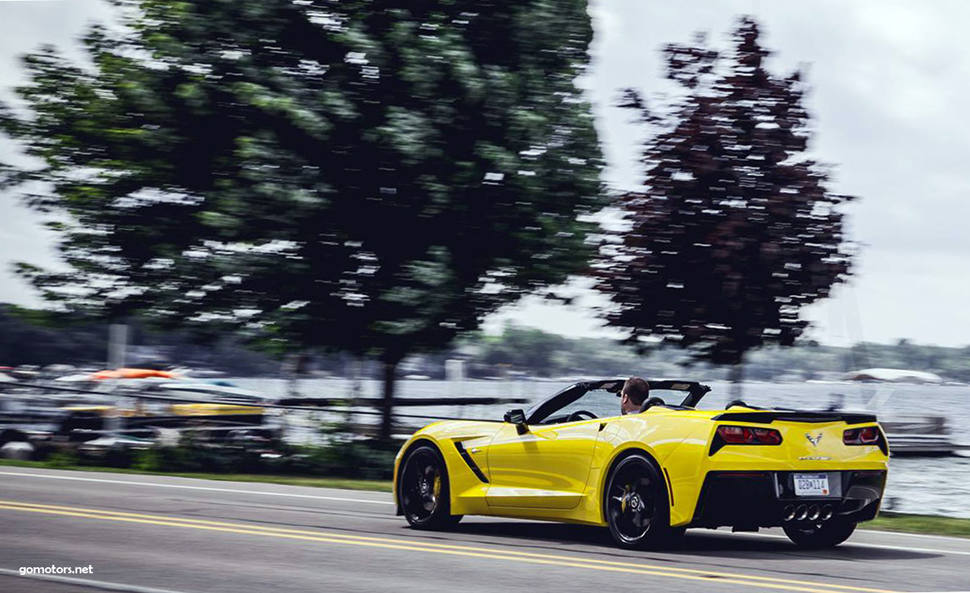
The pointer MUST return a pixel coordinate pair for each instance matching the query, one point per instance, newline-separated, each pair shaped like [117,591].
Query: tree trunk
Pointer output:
[387,406]
[737,380]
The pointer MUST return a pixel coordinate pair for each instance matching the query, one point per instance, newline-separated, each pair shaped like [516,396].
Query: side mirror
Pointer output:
[517,417]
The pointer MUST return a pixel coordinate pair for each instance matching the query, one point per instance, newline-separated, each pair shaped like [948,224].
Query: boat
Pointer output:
[882,375]
[124,407]
[909,434]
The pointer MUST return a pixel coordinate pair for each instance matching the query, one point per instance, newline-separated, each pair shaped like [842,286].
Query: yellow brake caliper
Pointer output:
[437,485]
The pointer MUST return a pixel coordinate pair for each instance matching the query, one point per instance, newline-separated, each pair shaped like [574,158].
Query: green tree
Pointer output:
[526,349]
[369,176]
[45,337]
[736,230]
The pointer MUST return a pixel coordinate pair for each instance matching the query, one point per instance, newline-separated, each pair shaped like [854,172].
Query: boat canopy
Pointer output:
[130,373]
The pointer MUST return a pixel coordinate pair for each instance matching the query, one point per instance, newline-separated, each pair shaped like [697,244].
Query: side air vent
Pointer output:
[471,462]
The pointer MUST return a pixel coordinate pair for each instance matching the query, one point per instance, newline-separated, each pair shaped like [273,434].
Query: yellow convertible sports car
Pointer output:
[648,476]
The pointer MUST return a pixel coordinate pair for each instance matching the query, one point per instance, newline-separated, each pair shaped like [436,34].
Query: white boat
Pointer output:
[217,392]
[910,433]
[881,375]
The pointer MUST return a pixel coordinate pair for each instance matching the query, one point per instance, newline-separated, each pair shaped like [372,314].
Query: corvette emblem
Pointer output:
[813,439]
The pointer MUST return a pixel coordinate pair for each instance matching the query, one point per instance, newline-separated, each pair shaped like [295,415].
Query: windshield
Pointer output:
[600,399]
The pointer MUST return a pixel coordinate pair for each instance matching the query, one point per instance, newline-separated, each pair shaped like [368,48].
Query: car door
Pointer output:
[546,467]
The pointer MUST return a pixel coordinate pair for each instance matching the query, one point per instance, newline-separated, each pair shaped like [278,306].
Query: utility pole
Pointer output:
[117,345]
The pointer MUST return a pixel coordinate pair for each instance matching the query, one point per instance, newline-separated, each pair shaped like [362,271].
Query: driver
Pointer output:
[635,391]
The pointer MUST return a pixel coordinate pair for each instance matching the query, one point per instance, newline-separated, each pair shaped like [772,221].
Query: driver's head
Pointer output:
[635,391]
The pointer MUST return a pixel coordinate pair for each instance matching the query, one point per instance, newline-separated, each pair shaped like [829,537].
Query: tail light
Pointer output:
[744,435]
[861,436]
[869,435]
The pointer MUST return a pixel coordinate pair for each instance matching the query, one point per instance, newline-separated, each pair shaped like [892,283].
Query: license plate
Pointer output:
[811,485]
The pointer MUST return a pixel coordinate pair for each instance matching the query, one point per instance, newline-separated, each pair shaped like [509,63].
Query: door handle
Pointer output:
[602,426]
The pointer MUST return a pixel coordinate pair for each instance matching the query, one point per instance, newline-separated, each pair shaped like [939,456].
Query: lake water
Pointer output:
[938,486]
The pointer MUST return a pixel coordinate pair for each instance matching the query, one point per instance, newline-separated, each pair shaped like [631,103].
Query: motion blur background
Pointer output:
[350,196]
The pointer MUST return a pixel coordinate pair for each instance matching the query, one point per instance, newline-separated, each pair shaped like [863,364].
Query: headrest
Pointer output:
[652,401]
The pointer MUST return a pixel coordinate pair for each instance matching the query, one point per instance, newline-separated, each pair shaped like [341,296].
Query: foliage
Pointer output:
[517,351]
[521,348]
[372,177]
[31,337]
[735,230]
[598,357]
[28,337]
[364,460]
[341,457]
[63,460]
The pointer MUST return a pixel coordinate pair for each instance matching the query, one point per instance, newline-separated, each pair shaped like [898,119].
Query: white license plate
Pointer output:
[811,485]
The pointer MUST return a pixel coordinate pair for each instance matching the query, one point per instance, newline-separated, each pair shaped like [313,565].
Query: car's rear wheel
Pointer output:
[423,490]
[636,504]
[819,535]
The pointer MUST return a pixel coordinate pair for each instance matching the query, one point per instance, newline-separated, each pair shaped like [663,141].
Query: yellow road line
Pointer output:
[413,545]
[434,545]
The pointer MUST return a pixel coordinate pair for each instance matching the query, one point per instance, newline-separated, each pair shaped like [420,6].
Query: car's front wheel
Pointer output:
[636,504]
[819,535]
[423,490]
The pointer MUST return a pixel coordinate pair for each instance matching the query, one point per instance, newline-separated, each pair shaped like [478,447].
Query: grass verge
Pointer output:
[316,482]
[929,524]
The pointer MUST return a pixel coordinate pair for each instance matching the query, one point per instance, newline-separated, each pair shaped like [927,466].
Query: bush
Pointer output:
[342,458]
[368,460]
[63,459]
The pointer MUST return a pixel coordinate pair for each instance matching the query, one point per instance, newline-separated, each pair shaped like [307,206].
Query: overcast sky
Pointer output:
[889,78]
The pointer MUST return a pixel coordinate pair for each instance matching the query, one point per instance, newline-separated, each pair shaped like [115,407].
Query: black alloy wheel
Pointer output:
[819,535]
[423,490]
[636,504]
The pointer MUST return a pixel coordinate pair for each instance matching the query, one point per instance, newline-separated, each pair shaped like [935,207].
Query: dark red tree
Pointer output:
[736,229]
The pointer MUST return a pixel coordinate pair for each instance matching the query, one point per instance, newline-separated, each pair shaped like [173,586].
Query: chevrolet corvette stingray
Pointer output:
[649,476]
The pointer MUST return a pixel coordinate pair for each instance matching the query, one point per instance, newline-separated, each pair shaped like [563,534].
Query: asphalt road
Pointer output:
[159,534]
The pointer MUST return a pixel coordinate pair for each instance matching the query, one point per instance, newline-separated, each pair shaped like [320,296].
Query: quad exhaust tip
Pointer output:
[806,513]
[826,513]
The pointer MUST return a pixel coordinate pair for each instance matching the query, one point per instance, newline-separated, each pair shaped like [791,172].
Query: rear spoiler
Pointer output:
[769,416]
